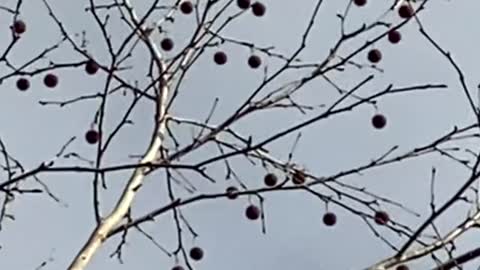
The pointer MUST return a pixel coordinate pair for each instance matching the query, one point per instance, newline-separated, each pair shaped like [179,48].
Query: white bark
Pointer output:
[391,262]
[100,233]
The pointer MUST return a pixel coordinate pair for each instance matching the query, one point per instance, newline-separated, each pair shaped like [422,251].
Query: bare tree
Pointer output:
[144,64]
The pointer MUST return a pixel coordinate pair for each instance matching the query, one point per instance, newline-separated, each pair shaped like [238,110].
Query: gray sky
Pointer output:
[296,237]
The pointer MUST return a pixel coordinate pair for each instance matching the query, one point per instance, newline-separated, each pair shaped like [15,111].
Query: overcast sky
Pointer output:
[296,237]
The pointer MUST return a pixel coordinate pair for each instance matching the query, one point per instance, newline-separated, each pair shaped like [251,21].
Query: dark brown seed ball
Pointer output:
[329,219]
[196,253]
[402,267]
[298,178]
[252,212]
[186,7]
[254,61]
[220,58]
[374,55]
[92,136]
[405,11]
[166,44]
[50,80]
[23,84]
[19,27]
[258,9]
[360,3]
[91,67]
[270,179]
[379,121]
[232,193]
[381,217]
[243,4]
[394,36]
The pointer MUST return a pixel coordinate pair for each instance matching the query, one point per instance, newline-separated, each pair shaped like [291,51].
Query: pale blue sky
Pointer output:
[296,237]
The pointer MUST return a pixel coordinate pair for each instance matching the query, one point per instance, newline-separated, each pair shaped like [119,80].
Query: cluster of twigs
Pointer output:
[166,149]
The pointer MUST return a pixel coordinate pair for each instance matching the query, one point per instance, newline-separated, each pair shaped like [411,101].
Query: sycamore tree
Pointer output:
[213,134]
